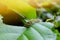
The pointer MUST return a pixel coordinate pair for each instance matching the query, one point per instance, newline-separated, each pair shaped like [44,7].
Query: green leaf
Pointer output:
[58,23]
[21,7]
[37,31]
[8,32]
[58,36]
[47,24]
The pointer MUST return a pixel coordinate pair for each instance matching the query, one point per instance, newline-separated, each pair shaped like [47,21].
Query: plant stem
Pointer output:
[55,23]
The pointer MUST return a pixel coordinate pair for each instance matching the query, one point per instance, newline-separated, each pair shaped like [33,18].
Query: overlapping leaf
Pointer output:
[37,31]
[20,7]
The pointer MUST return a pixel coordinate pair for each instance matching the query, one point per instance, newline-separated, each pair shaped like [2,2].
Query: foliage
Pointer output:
[37,31]
[46,28]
